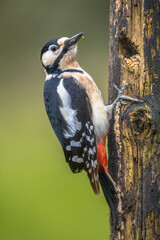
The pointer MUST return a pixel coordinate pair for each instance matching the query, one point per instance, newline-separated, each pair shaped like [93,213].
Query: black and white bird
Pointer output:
[75,108]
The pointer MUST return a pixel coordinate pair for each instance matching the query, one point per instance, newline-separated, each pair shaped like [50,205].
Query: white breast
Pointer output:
[100,115]
[100,120]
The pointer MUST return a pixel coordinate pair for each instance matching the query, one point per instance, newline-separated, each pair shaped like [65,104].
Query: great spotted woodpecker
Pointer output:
[75,108]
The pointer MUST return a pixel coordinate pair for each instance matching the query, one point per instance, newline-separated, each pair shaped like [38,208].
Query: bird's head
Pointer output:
[60,52]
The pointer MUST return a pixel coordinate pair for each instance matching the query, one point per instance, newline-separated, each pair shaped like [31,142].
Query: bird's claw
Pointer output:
[121,91]
[126,98]
[115,86]
[123,98]
[125,86]
[122,102]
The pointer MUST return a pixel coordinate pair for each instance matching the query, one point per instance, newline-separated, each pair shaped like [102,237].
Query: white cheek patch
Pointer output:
[48,58]
[67,112]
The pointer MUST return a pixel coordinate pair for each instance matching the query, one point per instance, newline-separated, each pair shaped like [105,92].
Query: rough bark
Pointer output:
[134,140]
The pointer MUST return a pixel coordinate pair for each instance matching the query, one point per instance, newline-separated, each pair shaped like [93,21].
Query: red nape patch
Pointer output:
[102,156]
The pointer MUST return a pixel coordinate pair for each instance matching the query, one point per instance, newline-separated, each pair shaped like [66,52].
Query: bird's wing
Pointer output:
[68,108]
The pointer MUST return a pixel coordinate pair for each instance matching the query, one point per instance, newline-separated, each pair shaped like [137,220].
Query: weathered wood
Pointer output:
[134,140]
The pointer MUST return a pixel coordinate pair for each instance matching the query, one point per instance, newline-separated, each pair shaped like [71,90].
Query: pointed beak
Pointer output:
[73,40]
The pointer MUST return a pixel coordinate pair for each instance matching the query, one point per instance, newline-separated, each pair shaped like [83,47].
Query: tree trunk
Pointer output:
[134,140]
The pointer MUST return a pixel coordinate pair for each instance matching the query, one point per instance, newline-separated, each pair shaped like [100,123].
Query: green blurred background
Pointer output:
[40,198]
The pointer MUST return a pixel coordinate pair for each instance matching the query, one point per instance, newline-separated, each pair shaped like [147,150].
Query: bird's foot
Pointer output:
[122,98]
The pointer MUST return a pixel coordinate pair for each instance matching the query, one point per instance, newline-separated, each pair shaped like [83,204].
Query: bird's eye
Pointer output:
[53,48]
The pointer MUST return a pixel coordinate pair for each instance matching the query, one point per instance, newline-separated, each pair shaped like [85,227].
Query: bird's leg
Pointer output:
[122,97]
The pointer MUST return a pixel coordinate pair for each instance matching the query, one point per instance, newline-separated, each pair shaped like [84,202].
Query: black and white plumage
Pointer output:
[68,108]
[76,110]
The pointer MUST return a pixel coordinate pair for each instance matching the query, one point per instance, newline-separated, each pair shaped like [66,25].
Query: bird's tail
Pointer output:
[109,187]
[112,194]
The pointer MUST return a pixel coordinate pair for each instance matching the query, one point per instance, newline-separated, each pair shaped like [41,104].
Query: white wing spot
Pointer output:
[68,148]
[90,151]
[91,127]
[77,159]
[94,163]
[87,165]
[91,140]
[75,144]
[90,170]
[85,149]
